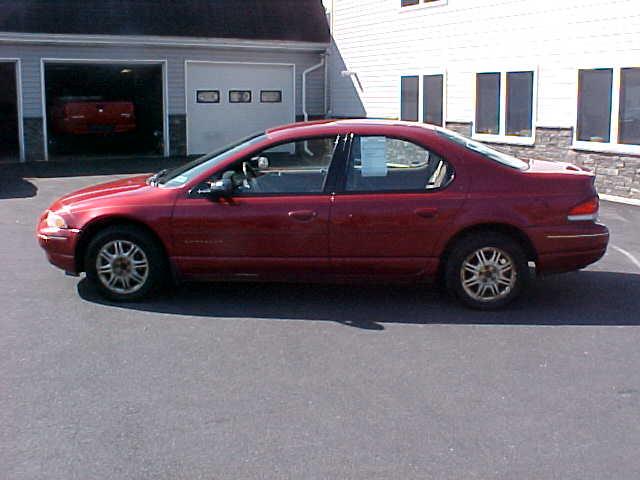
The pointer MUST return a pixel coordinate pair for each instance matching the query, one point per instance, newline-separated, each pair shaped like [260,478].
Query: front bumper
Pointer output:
[60,246]
[569,247]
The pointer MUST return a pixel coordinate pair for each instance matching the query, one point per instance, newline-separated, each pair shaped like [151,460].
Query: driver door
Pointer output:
[275,224]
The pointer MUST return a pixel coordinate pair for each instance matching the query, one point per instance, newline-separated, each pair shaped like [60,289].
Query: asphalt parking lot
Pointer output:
[252,381]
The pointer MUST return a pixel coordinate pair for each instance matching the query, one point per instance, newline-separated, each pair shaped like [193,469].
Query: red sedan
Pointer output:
[348,200]
[89,116]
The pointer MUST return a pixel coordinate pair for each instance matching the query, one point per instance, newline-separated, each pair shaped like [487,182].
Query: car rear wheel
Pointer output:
[487,271]
[124,263]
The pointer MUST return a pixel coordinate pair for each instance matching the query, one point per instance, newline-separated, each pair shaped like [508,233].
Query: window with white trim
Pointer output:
[505,106]
[608,107]
[433,99]
[422,98]
[409,96]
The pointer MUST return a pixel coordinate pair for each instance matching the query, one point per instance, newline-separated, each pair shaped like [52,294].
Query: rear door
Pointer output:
[394,202]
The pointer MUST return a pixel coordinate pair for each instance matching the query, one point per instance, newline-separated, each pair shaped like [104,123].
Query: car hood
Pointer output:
[132,186]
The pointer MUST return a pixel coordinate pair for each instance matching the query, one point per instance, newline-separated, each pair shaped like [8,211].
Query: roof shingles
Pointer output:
[294,20]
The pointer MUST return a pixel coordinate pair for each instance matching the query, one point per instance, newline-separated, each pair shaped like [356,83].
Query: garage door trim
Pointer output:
[109,61]
[214,62]
[18,72]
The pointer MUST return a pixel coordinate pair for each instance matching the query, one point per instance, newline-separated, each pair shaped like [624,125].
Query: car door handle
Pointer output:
[426,212]
[303,215]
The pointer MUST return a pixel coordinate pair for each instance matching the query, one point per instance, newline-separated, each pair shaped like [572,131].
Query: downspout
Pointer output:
[304,97]
[326,87]
[304,86]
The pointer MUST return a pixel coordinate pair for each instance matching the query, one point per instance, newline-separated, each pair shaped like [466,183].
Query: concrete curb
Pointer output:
[617,199]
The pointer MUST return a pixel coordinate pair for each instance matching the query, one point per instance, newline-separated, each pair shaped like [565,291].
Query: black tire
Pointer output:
[466,249]
[155,274]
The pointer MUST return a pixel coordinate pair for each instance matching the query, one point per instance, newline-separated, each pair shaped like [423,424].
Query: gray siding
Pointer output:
[175,57]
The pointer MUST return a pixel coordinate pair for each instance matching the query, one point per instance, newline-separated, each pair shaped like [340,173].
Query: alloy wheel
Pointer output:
[122,266]
[488,274]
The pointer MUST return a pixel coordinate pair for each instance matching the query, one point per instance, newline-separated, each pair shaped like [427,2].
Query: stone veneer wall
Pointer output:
[33,139]
[616,174]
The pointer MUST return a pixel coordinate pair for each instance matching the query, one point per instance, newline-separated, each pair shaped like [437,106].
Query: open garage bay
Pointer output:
[9,113]
[102,109]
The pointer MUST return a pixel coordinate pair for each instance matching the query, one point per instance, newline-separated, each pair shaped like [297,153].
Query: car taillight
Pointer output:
[585,211]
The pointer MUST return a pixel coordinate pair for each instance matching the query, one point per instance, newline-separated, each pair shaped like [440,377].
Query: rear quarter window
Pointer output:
[485,151]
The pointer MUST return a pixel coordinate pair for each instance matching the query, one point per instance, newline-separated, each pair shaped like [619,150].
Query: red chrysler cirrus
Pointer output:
[346,200]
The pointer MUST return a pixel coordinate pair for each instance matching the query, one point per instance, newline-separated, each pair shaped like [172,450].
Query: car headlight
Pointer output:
[55,221]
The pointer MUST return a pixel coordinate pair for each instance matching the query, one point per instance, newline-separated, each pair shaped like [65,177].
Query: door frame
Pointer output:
[17,62]
[222,62]
[103,61]
[332,183]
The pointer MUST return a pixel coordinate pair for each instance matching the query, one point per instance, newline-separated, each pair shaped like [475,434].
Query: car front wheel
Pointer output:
[124,263]
[487,271]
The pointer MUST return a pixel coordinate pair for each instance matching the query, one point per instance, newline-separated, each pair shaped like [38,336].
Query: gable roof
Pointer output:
[289,20]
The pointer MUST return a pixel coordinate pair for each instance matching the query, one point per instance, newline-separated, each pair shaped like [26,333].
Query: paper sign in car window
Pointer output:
[373,152]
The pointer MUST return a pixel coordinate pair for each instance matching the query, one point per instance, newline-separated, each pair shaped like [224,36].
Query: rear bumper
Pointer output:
[568,247]
[60,246]
[567,262]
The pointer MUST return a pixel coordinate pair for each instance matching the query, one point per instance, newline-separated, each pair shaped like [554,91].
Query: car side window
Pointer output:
[294,167]
[379,164]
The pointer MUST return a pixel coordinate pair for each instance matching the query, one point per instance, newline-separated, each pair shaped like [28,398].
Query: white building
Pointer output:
[551,79]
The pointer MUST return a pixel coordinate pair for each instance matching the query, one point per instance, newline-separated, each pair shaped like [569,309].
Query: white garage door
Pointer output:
[227,101]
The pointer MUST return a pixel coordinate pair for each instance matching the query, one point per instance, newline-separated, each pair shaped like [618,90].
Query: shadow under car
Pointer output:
[588,298]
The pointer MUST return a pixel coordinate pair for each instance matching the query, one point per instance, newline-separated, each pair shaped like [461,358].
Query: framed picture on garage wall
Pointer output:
[208,96]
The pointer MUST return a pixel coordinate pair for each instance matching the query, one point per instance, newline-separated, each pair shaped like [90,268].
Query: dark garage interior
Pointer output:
[9,140]
[104,109]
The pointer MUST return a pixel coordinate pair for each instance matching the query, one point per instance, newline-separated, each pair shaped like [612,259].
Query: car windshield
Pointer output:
[482,149]
[183,174]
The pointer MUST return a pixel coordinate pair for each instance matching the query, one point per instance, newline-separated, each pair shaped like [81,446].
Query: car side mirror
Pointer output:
[219,189]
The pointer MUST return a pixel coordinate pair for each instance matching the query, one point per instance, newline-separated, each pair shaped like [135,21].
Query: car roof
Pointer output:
[328,126]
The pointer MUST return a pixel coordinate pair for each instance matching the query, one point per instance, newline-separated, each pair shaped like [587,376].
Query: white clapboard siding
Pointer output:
[380,41]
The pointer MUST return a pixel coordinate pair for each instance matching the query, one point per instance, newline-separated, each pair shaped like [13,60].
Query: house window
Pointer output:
[519,120]
[422,98]
[408,3]
[609,109]
[594,105]
[505,106]
[488,103]
[433,99]
[629,121]
[409,98]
